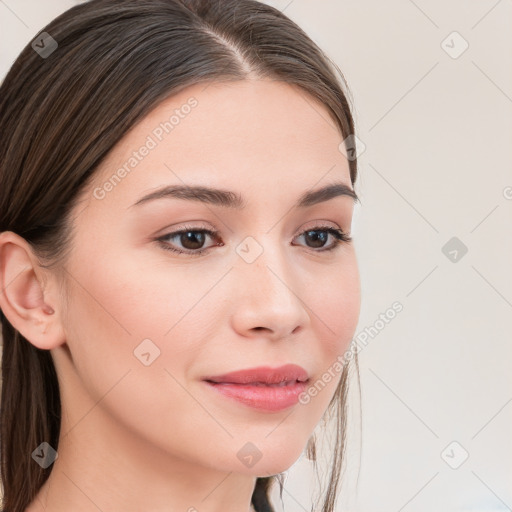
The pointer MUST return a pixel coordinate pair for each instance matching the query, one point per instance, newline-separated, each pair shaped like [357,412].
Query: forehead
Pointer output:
[244,135]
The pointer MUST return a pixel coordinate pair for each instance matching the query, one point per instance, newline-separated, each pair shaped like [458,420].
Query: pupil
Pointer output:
[191,237]
[318,237]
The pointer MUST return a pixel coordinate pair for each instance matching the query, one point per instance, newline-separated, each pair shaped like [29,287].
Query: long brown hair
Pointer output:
[64,109]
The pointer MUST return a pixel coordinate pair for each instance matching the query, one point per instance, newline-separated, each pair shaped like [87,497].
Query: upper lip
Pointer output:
[263,374]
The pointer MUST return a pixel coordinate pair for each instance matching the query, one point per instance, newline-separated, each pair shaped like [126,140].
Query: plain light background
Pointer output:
[431,84]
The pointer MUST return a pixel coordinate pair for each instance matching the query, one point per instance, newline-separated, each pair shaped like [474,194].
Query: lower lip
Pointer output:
[266,398]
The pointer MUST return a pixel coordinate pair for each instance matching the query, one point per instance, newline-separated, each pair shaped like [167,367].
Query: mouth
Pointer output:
[260,394]
[264,375]
[258,384]
[263,388]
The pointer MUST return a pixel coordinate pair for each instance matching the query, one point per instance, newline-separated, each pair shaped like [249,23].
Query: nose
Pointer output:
[269,300]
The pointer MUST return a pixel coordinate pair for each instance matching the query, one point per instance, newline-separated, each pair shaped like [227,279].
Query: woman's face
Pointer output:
[145,325]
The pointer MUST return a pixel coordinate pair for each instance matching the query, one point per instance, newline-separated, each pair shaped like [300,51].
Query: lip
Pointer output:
[262,374]
[263,388]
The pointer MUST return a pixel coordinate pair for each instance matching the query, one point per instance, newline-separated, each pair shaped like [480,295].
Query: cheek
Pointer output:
[108,318]
[335,306]
[155,296]
[335,309]
[124,302]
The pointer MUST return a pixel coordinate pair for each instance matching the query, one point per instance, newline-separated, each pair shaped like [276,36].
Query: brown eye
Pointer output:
[192,240]
[319,235]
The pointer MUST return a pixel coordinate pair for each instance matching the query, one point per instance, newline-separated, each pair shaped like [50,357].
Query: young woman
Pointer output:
[179,284]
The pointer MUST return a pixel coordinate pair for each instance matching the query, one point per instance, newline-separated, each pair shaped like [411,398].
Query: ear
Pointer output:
[30,308]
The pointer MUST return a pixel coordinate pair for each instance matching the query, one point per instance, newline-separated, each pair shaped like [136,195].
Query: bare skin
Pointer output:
[156,437]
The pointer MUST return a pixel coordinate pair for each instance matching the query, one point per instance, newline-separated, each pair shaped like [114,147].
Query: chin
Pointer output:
[272,464]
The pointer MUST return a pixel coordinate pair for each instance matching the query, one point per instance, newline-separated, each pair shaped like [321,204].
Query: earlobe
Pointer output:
[23,298]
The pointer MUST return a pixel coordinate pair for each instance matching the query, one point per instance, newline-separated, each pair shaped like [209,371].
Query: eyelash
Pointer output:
[340,238]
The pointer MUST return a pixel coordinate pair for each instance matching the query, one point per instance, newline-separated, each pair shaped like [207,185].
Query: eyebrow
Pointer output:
[229,199]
